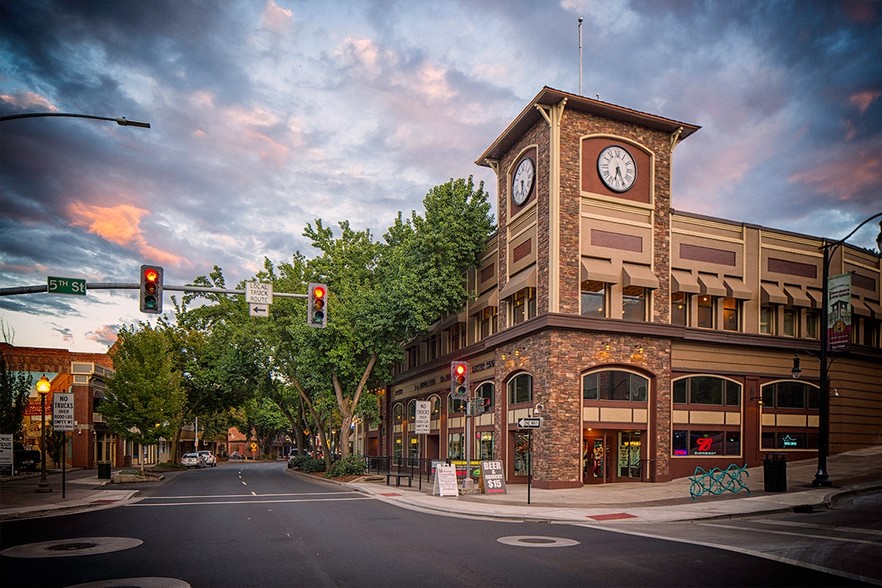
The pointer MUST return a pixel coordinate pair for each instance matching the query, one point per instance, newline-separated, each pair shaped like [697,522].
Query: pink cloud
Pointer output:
[120,224]
[845,177]
[863,100]
[28,100]
[105,335]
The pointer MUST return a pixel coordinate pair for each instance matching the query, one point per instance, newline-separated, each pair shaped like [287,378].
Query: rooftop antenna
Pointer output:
[580,56]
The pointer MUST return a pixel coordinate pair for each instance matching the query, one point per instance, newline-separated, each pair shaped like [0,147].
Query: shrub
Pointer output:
[352,465]
[314,465]
[296,462]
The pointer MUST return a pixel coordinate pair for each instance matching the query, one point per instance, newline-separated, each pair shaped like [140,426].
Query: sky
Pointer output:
[266,115]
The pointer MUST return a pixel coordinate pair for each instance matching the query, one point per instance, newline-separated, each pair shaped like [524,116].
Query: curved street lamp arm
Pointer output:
[122,121]
[835,244]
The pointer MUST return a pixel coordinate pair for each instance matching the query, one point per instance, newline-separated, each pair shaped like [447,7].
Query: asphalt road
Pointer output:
[254,524]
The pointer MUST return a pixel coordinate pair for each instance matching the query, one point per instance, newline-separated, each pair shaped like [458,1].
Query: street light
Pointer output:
[821,477]
[121,121]
[43,387]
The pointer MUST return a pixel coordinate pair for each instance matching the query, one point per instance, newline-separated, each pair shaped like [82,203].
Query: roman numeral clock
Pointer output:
[617,169]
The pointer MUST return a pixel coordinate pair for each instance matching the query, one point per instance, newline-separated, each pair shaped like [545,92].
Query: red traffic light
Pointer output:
[151,275]
[318,292]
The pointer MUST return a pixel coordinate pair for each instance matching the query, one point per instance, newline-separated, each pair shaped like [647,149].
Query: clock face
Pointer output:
[617,168]
[522,183]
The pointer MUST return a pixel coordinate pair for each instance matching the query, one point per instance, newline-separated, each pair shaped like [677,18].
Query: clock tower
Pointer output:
[584,203]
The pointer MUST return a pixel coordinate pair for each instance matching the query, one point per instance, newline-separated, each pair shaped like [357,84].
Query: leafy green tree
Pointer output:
[263,417]
[145,397]
[15,387]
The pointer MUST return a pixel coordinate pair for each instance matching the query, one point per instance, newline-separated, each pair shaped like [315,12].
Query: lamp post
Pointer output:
[821,477]
[43,387]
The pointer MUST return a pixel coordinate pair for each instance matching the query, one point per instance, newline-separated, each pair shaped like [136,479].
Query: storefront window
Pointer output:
[485,392]
[486,445]
[454,406]
[522,454]
[594,299]
[680,309]
[787,394]
[629,454]
[790,440]
[614,385]
[520,389]
[455,447]
[397,413]
[703,442]
[707,390]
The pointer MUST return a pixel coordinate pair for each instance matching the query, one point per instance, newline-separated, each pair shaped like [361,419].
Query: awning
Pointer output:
[874,306]
[639,275]
[711,285]
[489,299]
[601,270]
[772,293]
[816,298]
[683,281]
[859,308]
[525,279]
[736,288]
[797,297]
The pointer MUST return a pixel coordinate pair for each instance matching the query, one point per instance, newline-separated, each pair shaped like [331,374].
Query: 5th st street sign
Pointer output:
[74,286]
[530,423]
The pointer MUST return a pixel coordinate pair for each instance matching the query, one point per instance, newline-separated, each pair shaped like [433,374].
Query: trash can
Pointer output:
[103,470]
[775,473]
[127,461]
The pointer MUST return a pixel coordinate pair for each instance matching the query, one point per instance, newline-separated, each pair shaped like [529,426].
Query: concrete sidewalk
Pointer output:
[853,472]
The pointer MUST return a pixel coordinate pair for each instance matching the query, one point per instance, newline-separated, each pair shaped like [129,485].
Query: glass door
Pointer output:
[629,455]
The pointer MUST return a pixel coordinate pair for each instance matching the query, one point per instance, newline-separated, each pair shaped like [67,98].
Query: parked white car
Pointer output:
[208,457]
[192,460]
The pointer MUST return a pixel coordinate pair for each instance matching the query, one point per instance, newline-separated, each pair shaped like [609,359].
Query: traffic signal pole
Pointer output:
[16,290]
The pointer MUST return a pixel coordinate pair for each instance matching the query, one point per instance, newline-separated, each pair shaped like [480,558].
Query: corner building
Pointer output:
[650,341]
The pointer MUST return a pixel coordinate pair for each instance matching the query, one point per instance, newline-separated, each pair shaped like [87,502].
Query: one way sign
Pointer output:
[530,423]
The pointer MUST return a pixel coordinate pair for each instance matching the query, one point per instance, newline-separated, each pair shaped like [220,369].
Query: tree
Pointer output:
[15,387]
[145,399]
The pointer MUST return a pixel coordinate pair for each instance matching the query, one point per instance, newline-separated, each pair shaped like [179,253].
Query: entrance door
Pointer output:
[628,465]
[595,456]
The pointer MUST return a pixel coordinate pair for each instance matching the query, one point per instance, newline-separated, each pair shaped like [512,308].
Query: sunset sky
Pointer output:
[269,114]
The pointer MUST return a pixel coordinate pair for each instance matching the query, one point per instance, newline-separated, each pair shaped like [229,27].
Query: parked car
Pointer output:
[192,460]
[25,460]
[208,457]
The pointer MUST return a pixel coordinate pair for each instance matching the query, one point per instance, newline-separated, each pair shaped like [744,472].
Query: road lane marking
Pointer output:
[771,532]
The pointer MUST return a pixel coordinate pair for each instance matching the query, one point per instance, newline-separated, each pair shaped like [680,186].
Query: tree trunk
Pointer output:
[347,407]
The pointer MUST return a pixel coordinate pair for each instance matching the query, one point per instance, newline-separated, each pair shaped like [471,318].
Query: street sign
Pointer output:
[66,286]
[530,423]
[423,417]
[258,293]
[258,310]
[62,412]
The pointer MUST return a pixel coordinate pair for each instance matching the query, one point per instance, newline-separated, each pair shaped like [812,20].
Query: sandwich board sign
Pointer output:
[445,481]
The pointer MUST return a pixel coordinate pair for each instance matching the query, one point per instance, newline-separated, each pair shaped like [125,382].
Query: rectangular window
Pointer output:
[523,306]
[768,319]
[791,321]
[413,356]
[705,312]
[486,322]
[731,314]
[812,322]
[634,303]
[594,299]
[485,450]
[680,309]
[455,446]
[872,328]
[701,442]
[706,390]
[680,390]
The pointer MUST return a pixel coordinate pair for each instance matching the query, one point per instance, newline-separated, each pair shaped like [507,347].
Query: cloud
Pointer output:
[105,335]
[864,99]
[119,224]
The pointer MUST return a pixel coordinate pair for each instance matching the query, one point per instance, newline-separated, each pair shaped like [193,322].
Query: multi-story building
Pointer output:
[650,341]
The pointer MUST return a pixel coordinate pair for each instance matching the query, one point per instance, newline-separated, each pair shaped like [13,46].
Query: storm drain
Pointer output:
[71,547]
[537,541]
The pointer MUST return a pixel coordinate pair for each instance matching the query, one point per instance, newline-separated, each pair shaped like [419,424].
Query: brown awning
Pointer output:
[797,297]
[683,281]
[711,285]
[736,288]
[639,275]
[488,299]
[772,293]
[525,279]
[601,270]
[859,308]
[874,307]
[816,298]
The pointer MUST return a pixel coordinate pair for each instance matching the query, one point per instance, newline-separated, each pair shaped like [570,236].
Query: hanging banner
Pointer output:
[839,312]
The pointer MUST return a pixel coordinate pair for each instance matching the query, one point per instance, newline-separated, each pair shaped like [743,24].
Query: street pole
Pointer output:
[822,478]
[43,387]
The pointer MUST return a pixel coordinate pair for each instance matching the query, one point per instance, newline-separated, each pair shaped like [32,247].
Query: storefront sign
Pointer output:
[445,481]
[494,477]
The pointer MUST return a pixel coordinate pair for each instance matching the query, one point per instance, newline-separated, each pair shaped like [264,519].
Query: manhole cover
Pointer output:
[72,547]
[148,582]
[537,541]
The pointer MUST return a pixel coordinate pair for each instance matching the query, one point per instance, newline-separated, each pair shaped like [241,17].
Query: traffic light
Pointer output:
[459,380]
[151,289]
[317,308]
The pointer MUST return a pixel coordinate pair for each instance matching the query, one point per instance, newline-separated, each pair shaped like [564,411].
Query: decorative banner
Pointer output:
[839,312]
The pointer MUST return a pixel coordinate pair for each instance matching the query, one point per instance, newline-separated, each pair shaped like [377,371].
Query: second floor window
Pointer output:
[731,314]
[520,389]
[594,299]
[635,303]
[705,312]
[614,385]
[523,305]
[768,319]
[680,309]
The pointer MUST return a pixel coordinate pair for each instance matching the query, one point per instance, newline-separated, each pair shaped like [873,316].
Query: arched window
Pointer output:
[485,393]
[397,413]
[454,405]
[707,390]
[790,394]
[614,385]
[411,411]
[520,389]
[436,407]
